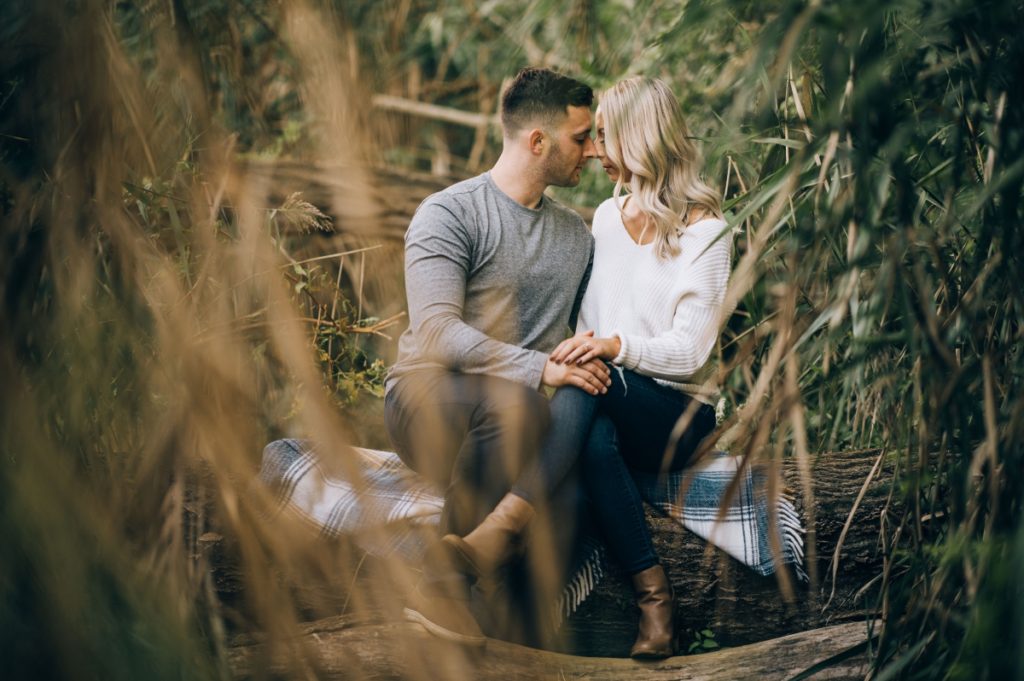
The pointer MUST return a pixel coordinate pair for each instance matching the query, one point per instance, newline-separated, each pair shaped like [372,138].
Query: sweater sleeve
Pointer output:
[680,352]
[438,260]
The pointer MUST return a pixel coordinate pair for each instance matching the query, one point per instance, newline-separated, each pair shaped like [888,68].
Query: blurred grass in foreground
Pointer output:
[156,330]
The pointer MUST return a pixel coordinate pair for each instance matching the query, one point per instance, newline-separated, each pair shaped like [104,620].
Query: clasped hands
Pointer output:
[579,361]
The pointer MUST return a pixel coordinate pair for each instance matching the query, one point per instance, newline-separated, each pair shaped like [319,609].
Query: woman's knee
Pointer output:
[570,402]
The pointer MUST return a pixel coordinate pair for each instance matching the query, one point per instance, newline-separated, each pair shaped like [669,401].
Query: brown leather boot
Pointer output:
[656,638]
[443,616]
[481,552]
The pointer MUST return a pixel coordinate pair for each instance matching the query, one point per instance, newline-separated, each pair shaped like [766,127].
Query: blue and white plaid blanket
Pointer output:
[385,505]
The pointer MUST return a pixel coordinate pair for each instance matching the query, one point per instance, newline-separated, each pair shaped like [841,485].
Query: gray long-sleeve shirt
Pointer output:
[492,286]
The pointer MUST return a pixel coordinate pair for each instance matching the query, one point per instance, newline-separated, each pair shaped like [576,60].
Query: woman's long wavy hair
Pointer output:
[645,134]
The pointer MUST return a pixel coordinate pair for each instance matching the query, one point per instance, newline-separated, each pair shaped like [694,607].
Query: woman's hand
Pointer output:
[583,347]
[592,377]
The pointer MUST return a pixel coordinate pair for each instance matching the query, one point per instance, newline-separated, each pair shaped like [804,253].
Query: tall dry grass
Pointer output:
[152,340]
[156,327]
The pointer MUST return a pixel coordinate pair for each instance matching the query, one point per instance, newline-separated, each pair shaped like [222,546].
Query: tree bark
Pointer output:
[333,650]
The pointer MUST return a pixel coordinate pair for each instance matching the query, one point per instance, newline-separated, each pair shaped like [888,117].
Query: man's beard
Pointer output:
[555,172]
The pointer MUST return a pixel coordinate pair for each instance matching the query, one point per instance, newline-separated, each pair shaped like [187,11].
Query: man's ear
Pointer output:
[537,140]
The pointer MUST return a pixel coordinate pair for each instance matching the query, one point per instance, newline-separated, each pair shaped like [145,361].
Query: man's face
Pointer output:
[571,147]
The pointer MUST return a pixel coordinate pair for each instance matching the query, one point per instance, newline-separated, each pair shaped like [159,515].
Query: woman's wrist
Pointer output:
[607,348]
[620,347]
[613,348]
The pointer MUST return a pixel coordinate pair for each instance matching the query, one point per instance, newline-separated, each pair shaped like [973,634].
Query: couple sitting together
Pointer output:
[497,273]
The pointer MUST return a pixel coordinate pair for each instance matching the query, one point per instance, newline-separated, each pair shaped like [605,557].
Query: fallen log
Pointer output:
[716,592]
[335,650]
[713,590]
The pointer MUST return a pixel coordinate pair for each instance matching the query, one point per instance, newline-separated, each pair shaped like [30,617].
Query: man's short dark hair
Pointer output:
[540,95]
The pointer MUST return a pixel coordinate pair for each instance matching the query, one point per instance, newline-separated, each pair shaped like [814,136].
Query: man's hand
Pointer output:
[592,377]
[583,348]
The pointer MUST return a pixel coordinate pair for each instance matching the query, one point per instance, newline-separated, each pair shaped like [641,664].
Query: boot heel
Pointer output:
[494,541]
[461,555]
[656,637]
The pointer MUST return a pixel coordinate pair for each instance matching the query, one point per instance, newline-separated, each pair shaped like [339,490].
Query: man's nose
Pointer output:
[589,149]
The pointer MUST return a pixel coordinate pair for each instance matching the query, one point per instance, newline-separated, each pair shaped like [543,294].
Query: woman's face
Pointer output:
[610,168]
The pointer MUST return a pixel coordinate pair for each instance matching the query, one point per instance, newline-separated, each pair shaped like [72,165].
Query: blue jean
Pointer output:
[627,428]
[572,410]
[478,437]
[470,434]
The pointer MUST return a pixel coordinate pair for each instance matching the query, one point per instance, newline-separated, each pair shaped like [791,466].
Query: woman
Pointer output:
[652,309]
[654,306]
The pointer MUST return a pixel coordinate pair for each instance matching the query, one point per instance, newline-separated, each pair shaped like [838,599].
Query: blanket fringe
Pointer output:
[792,531]
[580,586]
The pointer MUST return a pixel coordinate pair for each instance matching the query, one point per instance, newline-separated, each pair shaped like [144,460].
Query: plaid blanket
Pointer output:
[389,510]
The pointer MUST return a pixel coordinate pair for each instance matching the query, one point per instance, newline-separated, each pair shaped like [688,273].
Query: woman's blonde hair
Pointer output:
[645,134]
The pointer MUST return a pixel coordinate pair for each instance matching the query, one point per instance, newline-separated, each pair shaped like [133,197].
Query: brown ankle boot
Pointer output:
[443,616]
[481,552]
[656,638]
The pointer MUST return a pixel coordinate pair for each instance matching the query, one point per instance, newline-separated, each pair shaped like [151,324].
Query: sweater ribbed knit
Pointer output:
[664,311]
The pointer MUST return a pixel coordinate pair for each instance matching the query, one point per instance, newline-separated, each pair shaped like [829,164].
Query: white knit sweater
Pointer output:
[665,312]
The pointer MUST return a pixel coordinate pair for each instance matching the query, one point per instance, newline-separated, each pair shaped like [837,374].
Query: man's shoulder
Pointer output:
[450,208]
[458,194]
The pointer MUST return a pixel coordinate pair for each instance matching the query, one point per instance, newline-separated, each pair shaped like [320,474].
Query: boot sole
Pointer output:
[443,633]
[460,555]
[661,655]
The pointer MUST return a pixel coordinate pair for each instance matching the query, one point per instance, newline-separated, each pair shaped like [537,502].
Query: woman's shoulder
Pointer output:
[605,207]
[705,225]
[606,213]
[709,233]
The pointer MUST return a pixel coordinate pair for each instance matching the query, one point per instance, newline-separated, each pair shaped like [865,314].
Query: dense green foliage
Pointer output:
[872,159]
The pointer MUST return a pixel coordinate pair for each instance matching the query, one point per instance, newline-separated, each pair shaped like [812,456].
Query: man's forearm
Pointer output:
[449,341]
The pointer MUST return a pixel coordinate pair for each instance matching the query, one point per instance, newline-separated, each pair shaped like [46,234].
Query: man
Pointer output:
[495,272]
